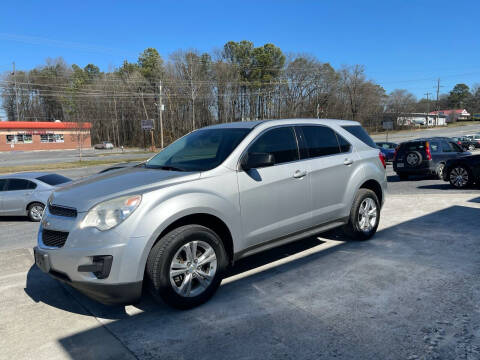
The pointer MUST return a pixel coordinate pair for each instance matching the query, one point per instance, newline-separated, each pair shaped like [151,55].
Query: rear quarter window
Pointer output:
[360,133]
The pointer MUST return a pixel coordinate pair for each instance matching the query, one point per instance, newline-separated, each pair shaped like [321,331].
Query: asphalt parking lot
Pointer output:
[412,292]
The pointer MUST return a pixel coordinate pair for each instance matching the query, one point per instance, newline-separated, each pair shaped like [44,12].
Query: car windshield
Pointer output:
[53,179]
[200,150]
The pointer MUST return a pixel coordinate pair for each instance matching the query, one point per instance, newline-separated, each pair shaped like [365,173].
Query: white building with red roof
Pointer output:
[453,114]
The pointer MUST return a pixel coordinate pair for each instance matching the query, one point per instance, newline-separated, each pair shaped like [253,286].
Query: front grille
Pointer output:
[62,211]
[54,238]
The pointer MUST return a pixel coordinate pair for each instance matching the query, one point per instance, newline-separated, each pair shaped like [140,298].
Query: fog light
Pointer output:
[100,266]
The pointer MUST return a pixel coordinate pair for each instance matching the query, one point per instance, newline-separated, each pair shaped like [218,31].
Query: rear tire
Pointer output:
[364,216]
[35,211]
[439,170]
[175,273]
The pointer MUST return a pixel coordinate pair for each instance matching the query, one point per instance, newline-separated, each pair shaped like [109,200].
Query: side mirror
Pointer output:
[257,160]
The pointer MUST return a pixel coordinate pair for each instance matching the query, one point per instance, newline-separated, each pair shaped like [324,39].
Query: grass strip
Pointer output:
[67,165]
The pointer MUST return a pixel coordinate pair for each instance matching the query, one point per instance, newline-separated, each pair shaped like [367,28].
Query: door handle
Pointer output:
[348,162]
[299,174]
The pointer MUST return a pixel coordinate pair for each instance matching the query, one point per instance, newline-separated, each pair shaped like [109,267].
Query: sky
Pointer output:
[404,44]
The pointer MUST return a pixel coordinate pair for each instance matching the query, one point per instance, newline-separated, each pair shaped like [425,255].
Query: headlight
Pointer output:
[109,214]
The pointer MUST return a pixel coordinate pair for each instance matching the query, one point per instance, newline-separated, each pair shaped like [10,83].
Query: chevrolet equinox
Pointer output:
[177,222]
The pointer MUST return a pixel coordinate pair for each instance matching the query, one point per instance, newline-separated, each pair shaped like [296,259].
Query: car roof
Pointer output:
[25,175]
[253,124]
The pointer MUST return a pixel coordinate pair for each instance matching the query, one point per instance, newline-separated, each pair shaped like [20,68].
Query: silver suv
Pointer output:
[177,222]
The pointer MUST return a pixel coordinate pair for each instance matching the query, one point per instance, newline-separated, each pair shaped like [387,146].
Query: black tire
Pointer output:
[413,159]
[460,169]
[160,259]
[402,176]
[439,170]
[33,211]
[352,228]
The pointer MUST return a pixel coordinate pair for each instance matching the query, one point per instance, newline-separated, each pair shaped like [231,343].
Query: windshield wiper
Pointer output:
[166,167]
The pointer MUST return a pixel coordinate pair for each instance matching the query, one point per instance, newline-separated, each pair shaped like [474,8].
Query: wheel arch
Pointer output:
[210,221]
[375,186]
[34,202]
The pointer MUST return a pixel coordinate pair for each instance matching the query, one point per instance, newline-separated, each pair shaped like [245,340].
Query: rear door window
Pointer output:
[447,147]
[345,146]
[320,141]
[360,133]
[20,184]
[455,147]
[3,184]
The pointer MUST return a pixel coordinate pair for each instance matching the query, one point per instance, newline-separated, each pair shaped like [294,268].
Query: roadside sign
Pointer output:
[147,125]
[387,125]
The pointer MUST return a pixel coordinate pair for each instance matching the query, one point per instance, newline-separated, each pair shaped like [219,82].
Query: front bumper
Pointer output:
[110,294]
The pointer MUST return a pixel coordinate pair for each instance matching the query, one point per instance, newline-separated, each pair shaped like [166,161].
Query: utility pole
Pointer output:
[428,107]
[160,110]
[15,87]
[437,105]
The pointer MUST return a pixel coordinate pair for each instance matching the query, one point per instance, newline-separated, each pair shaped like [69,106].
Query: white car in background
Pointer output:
[26,194]
[106,145]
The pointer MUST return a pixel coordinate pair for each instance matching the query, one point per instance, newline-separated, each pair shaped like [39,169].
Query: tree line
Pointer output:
[240,82]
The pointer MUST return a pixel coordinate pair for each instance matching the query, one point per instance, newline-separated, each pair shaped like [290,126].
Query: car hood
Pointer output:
[84,194]
[465,156]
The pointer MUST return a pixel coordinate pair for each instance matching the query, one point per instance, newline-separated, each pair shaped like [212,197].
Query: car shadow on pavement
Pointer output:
[14,218]
[355,299]
[41,293]
[396,178]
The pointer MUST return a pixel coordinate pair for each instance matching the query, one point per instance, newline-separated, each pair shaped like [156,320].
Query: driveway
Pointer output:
[412,292]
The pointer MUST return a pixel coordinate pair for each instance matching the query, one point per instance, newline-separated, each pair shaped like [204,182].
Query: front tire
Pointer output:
[186,266]
[364,216]
[35,211]
[460,177]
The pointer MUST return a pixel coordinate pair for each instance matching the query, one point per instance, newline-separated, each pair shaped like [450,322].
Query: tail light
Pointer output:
[427,150]
[459,143]
[382,159]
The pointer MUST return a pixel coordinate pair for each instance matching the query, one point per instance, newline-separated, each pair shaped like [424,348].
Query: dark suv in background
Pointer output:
[425,156]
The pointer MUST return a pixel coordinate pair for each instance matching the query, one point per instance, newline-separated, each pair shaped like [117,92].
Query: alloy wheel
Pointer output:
[459,177]
[367,215]
[193,268]
[36,211]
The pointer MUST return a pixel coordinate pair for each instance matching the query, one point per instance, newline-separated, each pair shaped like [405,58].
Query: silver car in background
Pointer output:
[216,195]
[26,194]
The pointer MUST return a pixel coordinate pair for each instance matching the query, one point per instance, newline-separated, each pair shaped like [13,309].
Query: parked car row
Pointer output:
[446,158]
[467,143]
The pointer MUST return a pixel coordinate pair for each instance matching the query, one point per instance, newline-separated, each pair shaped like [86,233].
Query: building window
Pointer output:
[51,138]
[19,139]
